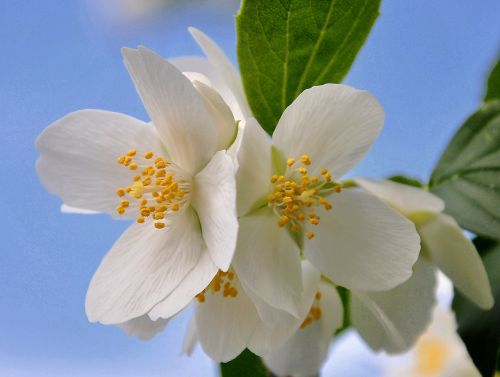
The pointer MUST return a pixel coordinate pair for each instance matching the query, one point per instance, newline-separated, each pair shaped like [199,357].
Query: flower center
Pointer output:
[431,355]
[296,196]
[159,189]
[314,313]
[223,282]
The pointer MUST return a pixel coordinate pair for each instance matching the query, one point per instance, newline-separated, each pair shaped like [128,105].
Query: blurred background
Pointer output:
[425,61]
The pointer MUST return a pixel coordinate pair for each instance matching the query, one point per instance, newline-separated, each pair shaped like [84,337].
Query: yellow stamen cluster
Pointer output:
[314,313]
[296,196]
[222,282]
[155,188]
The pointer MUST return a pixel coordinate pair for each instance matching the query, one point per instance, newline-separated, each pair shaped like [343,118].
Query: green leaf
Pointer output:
[493,90]
[287,46]
[245,365]
[406,181]
[480,330]
[345,296]
[467,177]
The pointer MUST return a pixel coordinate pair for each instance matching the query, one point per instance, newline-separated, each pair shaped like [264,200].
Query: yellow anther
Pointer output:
[175,207]
[145,212]
[287,199]
[127,160]
[271,199]
[159,225]
[120,210]
[302,170]
[159,216]
[305,159]
[310,235]
[131,152]
[200,297]
[317,296]
[124,203]
[281,179]
[283,221]
[121,159]
[120,192]
[133,166]
[230,275]
[148,155]
[314,221]
[301,217]
[337,188]
[181,194]
[323,171]
[160,173]
[290,161]
[137,178]
[314,180]
[140,220]
[160,164]
[161,208]
[274,178]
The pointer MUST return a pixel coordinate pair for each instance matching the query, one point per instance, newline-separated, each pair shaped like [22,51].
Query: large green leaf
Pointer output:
[480,330]
[286,46]
[245,365]
[467,177]
[493,89]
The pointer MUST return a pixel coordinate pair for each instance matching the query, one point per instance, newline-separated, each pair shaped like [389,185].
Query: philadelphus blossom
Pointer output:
[172,176]
[291,204]
[443,241]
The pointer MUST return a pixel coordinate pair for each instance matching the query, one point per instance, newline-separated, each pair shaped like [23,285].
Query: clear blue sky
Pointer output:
[426,61]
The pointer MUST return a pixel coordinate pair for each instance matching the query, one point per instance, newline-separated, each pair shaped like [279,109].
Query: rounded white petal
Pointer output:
[406,199]
[393,320]
[143,327]
[224,68]
[304,353]
[221,114]
[362,243]
[267,261]
[78,156]
[143,267]
[175,107]
[277,326]
[455,255]
[194,282]
[254,166]
[225,324]
[334,124]
[81,211]
[214,199]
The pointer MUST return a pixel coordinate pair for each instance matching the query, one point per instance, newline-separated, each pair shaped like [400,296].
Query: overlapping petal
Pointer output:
[363,244]
[334,124]
[143,267]
[175,107]
[143,327]
[78,156]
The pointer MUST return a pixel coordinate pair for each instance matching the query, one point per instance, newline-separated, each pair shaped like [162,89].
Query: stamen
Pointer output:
[314,312]
[222,282]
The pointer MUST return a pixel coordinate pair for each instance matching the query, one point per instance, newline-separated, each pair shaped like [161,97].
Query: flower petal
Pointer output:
[221,114]
[393,320]
[406,199]
[270,335]
[362,243]
[304,353]
[176,108]
[267,261]
[225,324]
[224,68]
[68,209]
[194,282]
[455,255]
[255,167]
[143,267]
[214,199]
[334,124]
[143,327]
[78,156]
[191,337]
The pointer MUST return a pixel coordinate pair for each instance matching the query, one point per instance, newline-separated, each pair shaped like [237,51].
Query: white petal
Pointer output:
[191,337]
[304,353]
[334,124]
[214,199]
[455,255]
[225,324]
[194,282]
[143,327]
[68,209]
[78,156]
[267,261]
[176,108]
[271,334]
[143,267]
[224,67]
[362,243]
[254,167]
[393,320]
[221,114]
[406,199]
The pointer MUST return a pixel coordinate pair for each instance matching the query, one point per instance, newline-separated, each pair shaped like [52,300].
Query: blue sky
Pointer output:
[426,62]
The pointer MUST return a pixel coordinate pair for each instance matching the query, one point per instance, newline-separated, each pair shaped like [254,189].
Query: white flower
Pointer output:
[289,201]
[173,177]
[443,241]
[439,352]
